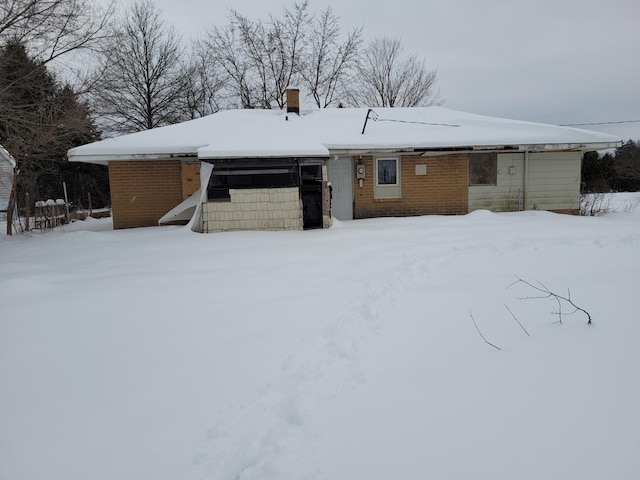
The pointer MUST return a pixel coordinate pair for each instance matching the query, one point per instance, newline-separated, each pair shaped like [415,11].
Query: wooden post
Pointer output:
[27,216]
[66,203]
[90,206]
[12,202]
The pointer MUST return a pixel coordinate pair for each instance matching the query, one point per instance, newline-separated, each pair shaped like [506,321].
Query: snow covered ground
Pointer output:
[346,353]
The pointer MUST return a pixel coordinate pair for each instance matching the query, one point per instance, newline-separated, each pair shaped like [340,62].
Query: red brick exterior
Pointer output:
[444,190]
[142,192]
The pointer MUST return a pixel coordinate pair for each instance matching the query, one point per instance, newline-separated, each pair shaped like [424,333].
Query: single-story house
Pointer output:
[293,169]
[7,167]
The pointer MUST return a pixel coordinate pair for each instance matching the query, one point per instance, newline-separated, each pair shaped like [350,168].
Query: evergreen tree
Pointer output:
[598,173]
[39,121]
[627,164]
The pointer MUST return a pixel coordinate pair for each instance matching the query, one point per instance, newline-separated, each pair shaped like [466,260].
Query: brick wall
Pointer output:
[142,192]
[444,190]
[255,209]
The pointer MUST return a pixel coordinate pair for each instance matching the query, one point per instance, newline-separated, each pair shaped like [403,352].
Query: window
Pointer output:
[387,178]
[222,180]
[387,171]
[483,168]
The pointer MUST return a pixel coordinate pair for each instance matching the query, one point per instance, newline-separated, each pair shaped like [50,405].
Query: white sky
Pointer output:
[552,61]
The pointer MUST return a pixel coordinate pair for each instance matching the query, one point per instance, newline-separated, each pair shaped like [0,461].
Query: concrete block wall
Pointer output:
[443,190]
[255,209]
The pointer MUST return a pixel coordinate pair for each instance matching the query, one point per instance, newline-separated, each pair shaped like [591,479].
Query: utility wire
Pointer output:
[419,123]
[597,123]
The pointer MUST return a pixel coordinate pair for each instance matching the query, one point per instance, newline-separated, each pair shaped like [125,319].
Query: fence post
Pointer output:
[66,201]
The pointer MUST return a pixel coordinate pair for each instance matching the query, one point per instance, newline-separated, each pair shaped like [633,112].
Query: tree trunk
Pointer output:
[12,202]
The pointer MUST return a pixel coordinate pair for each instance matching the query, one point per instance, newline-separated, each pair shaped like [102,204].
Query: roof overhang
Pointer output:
[259,162]
[444,150]
[128,157]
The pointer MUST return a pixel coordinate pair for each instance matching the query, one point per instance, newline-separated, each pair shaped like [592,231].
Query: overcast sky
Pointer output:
[551,61]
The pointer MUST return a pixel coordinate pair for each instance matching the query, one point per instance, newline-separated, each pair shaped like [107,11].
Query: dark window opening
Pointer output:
[311,173]
[483,168]
[223,180]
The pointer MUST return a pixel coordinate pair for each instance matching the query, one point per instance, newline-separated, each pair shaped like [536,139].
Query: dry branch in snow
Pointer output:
[547,293]
[480,333]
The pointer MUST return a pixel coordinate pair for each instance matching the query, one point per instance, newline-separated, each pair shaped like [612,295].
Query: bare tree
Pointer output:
[142,83]
[328,62]
[53,28]
[223,48]
[260,59]
[203,93]
[389,79]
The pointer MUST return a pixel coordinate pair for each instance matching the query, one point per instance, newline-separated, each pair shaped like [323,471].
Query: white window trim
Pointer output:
[388,190]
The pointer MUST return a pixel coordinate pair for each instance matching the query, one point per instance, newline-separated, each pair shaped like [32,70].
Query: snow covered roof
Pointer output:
[276,133]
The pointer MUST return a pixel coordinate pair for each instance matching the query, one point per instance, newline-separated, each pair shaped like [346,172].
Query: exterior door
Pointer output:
[341,178]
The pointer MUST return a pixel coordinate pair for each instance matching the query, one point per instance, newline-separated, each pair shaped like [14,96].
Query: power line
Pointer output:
[419,123]
[597,123]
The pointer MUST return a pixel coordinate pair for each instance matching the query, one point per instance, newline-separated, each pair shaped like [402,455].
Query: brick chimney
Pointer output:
[293,100]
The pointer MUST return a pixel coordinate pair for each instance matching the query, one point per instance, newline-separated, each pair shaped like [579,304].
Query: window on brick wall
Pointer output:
[387,178]
[483,168]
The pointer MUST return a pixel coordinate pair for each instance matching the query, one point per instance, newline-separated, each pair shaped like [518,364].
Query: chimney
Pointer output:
[293,100]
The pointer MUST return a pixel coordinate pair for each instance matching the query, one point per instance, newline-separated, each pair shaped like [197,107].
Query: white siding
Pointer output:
[507,194]
[6,180]
[554,181]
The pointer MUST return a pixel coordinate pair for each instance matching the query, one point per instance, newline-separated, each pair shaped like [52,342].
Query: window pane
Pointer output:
[387,172]
[483,168]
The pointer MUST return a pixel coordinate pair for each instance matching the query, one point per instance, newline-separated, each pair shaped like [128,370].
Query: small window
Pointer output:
[387,171]
[483,168]
[388,178]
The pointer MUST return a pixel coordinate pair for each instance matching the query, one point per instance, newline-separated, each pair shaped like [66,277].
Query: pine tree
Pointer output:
[598,173]
[40,119]
[627,161]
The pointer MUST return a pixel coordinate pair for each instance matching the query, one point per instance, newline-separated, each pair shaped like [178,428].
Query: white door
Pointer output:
[341,178]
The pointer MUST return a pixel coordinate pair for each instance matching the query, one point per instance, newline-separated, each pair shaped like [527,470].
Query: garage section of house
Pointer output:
[293,169]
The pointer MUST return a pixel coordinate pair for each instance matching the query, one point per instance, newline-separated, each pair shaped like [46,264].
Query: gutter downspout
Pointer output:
[525,187]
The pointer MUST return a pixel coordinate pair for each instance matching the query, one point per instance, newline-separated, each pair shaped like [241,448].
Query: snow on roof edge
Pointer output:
[274,133]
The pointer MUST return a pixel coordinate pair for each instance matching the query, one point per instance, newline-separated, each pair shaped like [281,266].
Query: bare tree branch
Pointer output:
[203,92]
[388,79]
[53,28]
[142,83]
[328,63]
[260,59]
[480,333]
[517,321]
[548,293]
